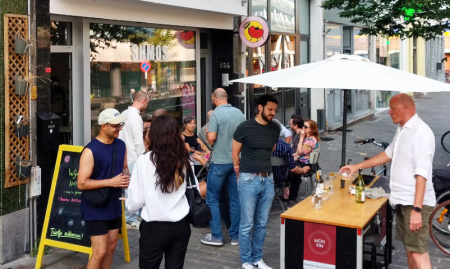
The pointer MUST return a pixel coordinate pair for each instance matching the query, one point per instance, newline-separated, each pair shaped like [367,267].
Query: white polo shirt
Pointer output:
[412,152]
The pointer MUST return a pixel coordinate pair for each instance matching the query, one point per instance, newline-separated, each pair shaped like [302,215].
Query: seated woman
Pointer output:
[192,142]
[309,141]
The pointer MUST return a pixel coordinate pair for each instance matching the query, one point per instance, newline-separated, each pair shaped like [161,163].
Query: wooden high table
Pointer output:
[337,235]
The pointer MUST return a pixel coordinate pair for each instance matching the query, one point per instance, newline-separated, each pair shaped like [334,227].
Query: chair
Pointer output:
[279,186]
[314,162]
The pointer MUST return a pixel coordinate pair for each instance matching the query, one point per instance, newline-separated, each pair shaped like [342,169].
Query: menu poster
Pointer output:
[65,223]
[319,246]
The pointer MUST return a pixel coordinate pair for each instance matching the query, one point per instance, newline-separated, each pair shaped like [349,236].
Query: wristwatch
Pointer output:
[417,209]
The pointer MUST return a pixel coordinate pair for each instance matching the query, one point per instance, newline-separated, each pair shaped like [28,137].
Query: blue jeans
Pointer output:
[256,195]
[217,175]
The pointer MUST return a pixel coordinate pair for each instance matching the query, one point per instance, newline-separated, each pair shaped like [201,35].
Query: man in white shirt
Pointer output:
[412,192]
[132,135]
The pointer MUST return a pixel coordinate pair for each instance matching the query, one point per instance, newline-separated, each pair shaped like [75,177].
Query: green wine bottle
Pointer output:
[360,188]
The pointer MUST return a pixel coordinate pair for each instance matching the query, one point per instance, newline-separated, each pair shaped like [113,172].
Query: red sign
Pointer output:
[48,70]
[146,66]
[319,246]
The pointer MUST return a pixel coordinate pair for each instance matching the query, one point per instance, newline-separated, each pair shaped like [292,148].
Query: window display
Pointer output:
[116,55]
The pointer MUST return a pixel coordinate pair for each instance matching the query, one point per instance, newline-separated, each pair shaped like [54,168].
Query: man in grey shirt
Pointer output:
[222,124]
[202,133]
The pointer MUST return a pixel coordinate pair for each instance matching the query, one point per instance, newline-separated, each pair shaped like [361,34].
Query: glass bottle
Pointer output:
[360,188]
[320,181]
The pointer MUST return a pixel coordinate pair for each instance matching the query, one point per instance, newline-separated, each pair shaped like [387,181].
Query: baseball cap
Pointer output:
[110,115]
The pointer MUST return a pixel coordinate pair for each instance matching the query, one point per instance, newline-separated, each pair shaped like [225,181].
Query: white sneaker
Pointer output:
[261,265]
[247,266]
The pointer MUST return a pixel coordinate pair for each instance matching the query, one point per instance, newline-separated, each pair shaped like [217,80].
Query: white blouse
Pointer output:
[143,193]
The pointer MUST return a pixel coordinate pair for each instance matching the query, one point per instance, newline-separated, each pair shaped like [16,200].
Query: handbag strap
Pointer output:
[190,176]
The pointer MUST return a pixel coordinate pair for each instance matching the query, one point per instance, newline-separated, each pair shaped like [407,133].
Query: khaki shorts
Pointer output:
[413,241]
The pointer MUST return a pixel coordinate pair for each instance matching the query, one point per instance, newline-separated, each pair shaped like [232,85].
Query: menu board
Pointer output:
[65,223]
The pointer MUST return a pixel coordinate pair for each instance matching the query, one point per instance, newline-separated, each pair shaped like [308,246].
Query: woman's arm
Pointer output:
[135,200]
[202,146]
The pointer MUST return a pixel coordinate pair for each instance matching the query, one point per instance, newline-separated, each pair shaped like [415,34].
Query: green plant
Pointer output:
[34,251]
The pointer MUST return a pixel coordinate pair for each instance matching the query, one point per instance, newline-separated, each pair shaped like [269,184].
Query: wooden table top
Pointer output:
[340,210]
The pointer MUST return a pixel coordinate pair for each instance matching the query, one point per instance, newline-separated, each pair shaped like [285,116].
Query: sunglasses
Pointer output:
[116,126]
[305,127]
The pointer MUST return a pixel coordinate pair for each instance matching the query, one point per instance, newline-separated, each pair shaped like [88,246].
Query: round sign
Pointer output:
[145,66]
[320,243]
[186,39]
[254,31]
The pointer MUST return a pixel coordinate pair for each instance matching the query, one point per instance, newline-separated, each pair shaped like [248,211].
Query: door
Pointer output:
[61,93]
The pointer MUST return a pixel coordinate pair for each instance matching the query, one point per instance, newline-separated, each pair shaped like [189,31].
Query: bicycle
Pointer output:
[445,142]
[440,227]
[383,145]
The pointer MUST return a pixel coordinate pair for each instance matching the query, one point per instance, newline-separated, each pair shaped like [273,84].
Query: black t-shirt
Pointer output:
[294,142]
[257,144]
[192,141]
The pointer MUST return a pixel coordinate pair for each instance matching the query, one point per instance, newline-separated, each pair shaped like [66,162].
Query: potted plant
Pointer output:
[20,85]
[21,44]
[23,168]
[22,126]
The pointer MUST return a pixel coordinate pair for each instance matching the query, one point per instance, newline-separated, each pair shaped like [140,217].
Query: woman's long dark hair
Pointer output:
[168,153]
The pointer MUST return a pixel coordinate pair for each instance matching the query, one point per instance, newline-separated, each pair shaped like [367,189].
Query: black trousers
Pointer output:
[293,180]
[160,238]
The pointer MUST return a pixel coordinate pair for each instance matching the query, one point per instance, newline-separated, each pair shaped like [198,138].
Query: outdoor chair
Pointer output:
[308,177]
[278,184]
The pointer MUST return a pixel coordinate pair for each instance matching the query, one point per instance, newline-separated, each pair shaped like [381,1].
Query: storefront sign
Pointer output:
[186,39]
[319,246]
[149,53]
[254,31]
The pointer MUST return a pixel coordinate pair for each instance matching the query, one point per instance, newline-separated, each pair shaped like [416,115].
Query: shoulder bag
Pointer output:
[199,212]
[99,197]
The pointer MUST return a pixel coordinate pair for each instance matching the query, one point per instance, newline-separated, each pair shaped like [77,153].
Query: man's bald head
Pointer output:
[140,101]
[220,93]
[402,108]
[160,112]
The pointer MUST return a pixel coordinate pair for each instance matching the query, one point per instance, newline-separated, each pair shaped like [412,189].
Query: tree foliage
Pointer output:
[403,18]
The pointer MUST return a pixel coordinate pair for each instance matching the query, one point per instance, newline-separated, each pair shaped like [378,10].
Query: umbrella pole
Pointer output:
[344,133]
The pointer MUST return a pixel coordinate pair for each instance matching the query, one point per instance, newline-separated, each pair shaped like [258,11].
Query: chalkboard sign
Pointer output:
[65,223]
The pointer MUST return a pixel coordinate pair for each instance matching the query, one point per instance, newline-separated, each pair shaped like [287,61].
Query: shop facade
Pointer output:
[287,46]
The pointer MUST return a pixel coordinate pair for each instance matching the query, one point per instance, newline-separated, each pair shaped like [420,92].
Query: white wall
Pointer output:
[317,53]
[234,7]
[138,11]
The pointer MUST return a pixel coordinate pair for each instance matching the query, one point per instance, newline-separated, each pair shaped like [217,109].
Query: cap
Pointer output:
[110,115]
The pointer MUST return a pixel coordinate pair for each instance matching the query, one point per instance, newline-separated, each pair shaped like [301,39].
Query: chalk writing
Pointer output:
[64,199]
[72,183]
[58,233]
[75,200]
[73,174]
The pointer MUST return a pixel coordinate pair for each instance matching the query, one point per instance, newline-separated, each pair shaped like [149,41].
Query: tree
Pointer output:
[402,18]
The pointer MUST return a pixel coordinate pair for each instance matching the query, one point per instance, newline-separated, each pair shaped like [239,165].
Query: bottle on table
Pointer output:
[360,189]
[321,184]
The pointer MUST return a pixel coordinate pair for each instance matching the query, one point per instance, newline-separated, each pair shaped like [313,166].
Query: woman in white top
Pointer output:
[158,184]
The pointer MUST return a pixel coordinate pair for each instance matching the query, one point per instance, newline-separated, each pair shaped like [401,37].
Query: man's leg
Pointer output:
[99,251]
[295,185]
[224,205]
[216,176]
[263,206]
[112,243]
[235,205]
[249,188]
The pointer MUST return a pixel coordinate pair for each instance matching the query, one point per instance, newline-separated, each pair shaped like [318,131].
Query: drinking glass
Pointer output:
[125,172]
[331,178]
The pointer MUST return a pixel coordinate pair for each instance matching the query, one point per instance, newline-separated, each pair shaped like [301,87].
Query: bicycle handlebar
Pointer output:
[372,140]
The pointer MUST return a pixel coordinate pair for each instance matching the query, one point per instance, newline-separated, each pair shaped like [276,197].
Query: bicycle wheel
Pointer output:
[440,217]
[445,196]
[445,141]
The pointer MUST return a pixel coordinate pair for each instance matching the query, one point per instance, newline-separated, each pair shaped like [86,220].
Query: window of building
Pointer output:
[282,15]
[361,42]
[259,8]
[60,33]
[116,54]
[303,8]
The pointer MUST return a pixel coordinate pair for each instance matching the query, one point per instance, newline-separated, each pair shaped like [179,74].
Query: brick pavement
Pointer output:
[433,109]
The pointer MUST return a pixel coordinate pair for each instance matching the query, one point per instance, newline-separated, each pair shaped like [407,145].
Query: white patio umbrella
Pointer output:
[346,72]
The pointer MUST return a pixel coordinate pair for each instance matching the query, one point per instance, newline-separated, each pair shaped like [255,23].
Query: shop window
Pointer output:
[304,52]
[116,55]
[60,33]
[278,94]
[282,15]
[303,7]
[276,54]
[361,47]
[289,51]
[259,8]
[289,105]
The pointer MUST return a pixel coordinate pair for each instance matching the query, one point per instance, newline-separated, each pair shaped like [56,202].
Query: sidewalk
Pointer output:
[434,109]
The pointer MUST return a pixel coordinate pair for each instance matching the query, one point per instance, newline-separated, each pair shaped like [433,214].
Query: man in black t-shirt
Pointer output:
[255,139]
